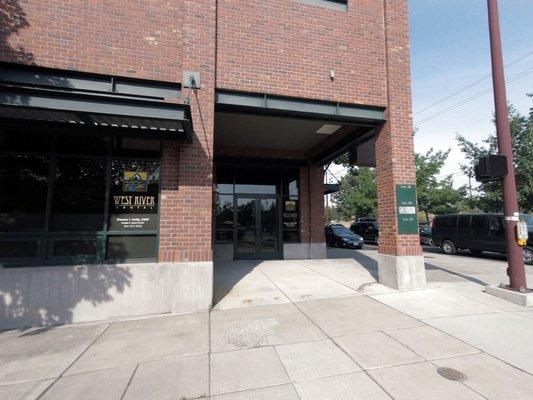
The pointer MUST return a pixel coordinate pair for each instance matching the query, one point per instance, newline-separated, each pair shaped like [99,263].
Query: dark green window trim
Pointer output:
[46,237]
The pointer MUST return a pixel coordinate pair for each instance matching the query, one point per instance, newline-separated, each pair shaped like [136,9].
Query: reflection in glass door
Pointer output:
[246,228]
[269,233]
[257,227]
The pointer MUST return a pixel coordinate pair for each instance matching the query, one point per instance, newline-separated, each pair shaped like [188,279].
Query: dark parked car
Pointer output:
[366,219]
[424,230]
[340,236]
[477,233]
[369,230]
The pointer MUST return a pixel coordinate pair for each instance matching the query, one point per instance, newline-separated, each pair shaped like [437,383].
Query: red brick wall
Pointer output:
[288,48]
[140,38]
[186,206]
[394,144]
[312,205]
[281,47]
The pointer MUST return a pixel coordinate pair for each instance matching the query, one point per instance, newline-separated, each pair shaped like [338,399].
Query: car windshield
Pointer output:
[341,230]
[528,219]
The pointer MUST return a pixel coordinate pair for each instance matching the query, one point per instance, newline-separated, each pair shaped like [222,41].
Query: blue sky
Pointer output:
[450,50]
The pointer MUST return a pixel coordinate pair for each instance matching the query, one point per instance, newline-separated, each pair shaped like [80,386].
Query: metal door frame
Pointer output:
[258,254]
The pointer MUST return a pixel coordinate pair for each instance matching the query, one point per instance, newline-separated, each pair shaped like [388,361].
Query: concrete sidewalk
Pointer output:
[321,329]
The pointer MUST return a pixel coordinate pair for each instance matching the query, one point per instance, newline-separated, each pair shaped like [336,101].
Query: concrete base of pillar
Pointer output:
[303,251]
[522,299]
[49,295]
[401,272]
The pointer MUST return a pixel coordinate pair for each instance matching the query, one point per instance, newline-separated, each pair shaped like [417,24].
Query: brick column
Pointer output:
[187,177]
[312,211]
[400,260]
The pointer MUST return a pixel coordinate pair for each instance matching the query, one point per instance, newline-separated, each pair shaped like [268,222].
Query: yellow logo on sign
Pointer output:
[135,181]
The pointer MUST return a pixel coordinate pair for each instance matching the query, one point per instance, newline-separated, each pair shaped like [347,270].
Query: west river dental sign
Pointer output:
[133,211]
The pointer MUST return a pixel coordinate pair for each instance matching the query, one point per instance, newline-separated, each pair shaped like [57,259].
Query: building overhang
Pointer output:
[92,102]
[319,129]
[330,188]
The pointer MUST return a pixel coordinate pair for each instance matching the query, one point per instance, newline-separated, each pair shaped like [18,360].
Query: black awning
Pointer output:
[92,111]
[330,188]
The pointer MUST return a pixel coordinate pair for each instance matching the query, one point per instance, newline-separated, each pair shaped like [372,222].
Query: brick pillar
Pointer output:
[400,260]
[186,205]
[312,210]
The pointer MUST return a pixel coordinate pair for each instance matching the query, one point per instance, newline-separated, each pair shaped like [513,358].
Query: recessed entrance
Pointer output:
[256,209]
[258,229]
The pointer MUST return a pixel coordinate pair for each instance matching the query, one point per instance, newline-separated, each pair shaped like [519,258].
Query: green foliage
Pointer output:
[435,196]
[358,194]
[330,214]
[488,196]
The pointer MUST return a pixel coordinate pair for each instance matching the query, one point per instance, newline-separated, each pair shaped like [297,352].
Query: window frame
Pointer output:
[281,196]
[47,237]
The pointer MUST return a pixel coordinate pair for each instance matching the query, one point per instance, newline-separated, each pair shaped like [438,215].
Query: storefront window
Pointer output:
[125,247]
[257,180]
[134,196]
[78,194]
[95,145]
[224,179]
[224,218]
[131,147]
[290,181]
[23,191]
[70,198]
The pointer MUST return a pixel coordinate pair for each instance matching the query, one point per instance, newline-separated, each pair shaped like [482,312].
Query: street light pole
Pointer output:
[516,271]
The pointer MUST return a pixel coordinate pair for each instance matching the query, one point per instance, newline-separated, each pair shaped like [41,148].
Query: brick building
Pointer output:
[153,138]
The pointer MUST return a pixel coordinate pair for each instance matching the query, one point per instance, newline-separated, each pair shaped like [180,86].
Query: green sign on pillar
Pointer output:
[406,209]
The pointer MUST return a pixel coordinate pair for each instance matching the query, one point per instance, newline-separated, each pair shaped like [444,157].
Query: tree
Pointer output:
[435,196]
[358,194]
[488,195]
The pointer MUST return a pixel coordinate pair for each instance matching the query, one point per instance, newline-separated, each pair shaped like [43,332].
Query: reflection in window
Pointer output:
[224,218]
[134,195]
[496,224]
[79,195]
[290,181]
[75,247]
[131,247]
[224,178]
[23,190]
[14,140]
[82,168]
[82,144]
[257,180]
[23,248]
[130,147]
[224,212]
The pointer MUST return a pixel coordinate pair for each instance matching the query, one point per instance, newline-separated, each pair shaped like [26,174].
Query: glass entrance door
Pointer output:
[257,227]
